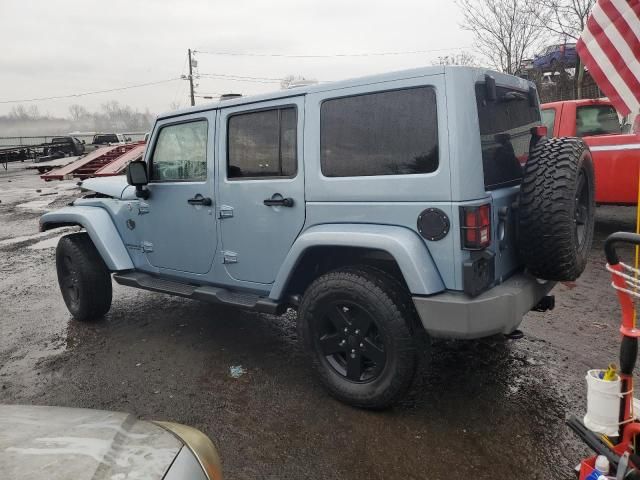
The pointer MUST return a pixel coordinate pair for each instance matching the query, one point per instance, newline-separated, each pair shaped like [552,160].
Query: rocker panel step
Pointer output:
[149,282]
[205,293]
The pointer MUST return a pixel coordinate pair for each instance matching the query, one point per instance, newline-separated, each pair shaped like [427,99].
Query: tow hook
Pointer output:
[547,302]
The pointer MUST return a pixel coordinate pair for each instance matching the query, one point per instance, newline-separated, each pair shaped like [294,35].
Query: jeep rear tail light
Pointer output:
[540,131]
[475,227]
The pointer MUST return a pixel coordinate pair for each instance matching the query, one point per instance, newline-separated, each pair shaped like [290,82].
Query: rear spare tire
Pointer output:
[556,209]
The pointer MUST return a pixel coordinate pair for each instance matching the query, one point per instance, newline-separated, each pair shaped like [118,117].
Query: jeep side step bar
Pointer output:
[205,293]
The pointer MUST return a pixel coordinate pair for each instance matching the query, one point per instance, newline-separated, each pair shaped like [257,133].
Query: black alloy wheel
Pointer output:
[358,324]
[350,341]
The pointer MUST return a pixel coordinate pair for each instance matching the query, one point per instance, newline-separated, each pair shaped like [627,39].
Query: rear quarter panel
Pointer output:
[392,200]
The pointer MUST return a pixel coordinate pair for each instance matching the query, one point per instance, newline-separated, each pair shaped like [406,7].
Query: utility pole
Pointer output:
[193,101]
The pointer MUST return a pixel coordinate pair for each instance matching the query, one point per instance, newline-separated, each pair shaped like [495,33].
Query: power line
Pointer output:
[222,75]
[90,93]
[249,80]
[333,55]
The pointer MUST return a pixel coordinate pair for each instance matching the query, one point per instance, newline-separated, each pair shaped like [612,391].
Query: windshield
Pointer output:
[505,134]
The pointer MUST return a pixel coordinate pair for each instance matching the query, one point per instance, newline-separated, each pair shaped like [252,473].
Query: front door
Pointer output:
[177,225]
[261,186]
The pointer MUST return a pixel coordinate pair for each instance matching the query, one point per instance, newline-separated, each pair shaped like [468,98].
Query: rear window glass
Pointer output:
[549,120]
[385,133]
[596,120]
[105,139]
[505,134]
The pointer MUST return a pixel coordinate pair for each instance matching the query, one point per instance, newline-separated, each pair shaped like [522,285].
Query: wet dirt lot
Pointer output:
[485,409]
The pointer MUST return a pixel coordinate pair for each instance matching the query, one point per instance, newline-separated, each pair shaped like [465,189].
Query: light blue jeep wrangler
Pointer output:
[383,209]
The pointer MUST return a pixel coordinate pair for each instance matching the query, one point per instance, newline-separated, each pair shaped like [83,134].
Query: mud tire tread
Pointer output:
[547,242]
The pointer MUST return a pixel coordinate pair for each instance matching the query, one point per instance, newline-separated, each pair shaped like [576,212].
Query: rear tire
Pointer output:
[556,209]
[85,281]
[357,323]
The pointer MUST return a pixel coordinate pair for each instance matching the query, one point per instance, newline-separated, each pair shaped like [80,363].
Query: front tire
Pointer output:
[357,324]
[85,281]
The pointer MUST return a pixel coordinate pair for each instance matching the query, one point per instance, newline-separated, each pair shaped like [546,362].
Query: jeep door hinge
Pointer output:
[146,247]
[225,211]
[229,257]
[143,208]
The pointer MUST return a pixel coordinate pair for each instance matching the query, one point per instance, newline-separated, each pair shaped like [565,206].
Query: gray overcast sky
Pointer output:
[66,47]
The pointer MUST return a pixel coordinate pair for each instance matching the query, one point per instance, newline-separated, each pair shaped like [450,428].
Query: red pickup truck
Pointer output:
[616,155]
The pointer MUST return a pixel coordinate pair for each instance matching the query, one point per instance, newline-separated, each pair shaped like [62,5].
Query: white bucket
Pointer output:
[603,404]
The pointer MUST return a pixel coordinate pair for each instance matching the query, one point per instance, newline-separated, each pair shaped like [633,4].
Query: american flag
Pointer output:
[610,49]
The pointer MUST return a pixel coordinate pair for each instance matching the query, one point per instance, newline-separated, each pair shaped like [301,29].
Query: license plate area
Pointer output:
[478,272]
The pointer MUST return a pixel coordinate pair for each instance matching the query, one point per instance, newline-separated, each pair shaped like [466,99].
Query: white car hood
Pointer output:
[116,186]
[63,443]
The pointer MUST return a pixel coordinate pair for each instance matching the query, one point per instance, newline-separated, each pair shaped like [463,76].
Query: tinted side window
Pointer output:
[387,133]
[262,144]
[180,152]
[596,120]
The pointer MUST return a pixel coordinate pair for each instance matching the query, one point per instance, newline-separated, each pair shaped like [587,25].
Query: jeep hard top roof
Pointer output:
[353,82]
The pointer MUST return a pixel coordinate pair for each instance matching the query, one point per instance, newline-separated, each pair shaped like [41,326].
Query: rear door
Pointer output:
[261,203]
[505,134]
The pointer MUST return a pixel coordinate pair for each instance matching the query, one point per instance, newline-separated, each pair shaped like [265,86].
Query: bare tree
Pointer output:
[77,112]
[564,19]
[462,58]
[20,112]
[34,112]
[506,31]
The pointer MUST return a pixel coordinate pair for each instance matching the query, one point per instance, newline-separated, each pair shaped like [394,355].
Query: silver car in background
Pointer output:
[57,443]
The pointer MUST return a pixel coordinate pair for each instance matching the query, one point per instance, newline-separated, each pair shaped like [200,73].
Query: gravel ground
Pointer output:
[484,409]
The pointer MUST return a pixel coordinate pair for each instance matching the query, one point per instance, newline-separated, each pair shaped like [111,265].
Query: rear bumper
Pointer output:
[498,310]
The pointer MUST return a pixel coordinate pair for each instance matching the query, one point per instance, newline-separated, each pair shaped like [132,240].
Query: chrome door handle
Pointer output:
[200,200]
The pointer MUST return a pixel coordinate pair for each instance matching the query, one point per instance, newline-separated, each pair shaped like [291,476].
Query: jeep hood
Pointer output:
[116,187]
[61,443]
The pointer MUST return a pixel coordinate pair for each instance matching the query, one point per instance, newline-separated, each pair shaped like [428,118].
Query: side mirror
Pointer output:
[83,142]
[128,139]
[137,176]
